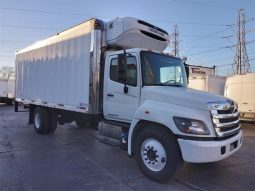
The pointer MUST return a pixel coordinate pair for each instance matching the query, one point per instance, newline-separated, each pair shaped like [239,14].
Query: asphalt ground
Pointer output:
[76,159]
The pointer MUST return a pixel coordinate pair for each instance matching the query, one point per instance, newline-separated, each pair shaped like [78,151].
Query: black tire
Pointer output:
[172,161]
[53,121]
[41,120]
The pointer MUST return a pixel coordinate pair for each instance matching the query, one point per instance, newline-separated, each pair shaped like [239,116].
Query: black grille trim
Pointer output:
[228,111]
[227,120]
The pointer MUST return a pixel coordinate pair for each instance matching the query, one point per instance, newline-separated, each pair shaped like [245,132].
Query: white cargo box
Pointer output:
[56,72]
[133,33]
[241,88]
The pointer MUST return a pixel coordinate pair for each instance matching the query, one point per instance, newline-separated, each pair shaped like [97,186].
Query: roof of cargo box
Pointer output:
[127,32]
[98,24]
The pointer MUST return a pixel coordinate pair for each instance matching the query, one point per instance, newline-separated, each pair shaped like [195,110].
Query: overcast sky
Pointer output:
[206,27]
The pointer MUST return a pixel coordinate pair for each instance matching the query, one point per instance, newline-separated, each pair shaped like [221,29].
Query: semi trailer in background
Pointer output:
[241,88]
[115,72]
[204,79]
[212,84]
[7,88]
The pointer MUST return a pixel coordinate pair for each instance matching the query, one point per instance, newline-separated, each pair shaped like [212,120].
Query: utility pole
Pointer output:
[241,63]
[175,43]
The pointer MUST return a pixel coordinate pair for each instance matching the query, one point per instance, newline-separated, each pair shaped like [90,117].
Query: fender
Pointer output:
[162,113]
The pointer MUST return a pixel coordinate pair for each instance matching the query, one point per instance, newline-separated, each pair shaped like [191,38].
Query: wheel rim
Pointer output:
[153,154]
[37,120]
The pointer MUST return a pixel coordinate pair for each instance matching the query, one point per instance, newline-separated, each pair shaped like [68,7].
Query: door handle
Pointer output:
[110,95]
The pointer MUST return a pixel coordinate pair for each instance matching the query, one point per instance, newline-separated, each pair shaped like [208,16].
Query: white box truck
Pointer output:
[7,88]
[212,84]
[241,88]
[116,72]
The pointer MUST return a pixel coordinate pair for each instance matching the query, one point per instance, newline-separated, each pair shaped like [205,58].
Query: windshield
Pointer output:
[162,70]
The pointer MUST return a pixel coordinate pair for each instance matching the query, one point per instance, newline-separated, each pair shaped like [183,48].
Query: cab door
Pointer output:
[118,104]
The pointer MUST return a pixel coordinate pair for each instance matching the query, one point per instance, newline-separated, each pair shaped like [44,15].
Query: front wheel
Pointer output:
[157,154]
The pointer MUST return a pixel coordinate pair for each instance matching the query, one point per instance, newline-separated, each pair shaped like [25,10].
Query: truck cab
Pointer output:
[148,90]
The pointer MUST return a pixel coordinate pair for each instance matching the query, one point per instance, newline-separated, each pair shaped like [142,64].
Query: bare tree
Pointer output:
[7,72]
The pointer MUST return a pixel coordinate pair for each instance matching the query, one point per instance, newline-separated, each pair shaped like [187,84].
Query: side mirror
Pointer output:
[122,71]
[187,71]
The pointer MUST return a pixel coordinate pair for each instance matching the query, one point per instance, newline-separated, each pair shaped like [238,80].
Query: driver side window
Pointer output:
[131,71]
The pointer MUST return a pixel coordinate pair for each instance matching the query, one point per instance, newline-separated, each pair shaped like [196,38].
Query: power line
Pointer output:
[223,65]
[250,20]
[225,37]
[206,51]
[220,48]
[13,41]
[199,36]
[186,23]
[203,4]
[228,58]
[29,27]
[206,36]
[48,12]
[86,15]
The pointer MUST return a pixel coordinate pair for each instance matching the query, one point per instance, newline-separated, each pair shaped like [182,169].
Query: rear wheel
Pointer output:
[44,121]
[41,120]
[157,154]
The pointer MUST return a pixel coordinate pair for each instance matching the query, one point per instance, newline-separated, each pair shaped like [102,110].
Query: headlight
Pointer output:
[191,126]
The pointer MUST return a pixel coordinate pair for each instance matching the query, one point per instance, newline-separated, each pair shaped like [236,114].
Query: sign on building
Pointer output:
[197,71]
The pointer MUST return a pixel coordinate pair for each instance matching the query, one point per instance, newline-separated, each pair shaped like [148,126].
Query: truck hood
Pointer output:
[180,96]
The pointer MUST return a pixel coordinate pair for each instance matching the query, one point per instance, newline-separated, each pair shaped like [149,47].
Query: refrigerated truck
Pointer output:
[116,72]
[7,88]
[241,88]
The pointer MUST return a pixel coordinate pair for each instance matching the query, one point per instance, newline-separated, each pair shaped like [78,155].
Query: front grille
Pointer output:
[225,117]
[228,120]
[227,111]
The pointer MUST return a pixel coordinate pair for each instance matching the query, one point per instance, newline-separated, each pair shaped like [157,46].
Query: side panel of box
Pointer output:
[56,71]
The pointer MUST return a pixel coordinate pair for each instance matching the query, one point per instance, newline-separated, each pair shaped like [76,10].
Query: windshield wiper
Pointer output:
[166,84]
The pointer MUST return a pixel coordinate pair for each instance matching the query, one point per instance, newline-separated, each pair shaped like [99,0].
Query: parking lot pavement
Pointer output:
[74,159]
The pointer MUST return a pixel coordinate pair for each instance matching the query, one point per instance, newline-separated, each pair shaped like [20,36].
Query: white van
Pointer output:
[241,88]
